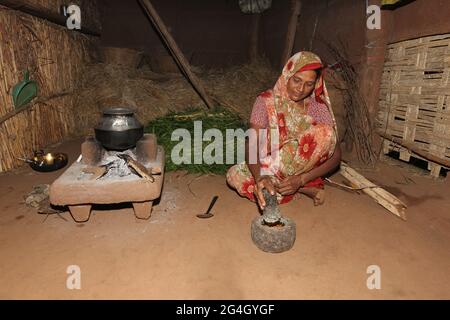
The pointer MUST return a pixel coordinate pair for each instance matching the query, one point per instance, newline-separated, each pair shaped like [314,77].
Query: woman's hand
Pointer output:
[264,182]
[290,185]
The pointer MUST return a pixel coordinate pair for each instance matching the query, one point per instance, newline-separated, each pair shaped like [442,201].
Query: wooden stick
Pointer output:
[346,187]
[314,32]
[290,35]
[412,148]
[254,37]
[176,52]
[384,198]
[42,100]
[44,13]
[29,105]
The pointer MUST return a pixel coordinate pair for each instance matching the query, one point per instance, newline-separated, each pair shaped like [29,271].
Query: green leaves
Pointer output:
[219,118]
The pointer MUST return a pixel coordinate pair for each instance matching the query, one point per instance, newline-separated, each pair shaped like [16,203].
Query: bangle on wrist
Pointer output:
[263,176]
[303,179]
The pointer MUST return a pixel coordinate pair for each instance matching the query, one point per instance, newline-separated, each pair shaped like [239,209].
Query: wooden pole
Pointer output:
[176,52]
[412,148]
[292,27]
[384,198]
[44,13]
[254,37]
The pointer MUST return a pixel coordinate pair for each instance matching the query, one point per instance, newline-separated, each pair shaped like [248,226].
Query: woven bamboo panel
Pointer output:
[414,102]
[54,57]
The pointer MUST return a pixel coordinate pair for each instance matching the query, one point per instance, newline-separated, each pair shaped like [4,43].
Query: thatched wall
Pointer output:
[54,57]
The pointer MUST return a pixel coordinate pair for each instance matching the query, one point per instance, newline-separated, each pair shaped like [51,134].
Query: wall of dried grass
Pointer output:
[54,57]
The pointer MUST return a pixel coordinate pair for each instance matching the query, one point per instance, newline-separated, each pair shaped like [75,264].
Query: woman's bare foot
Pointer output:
[318,195]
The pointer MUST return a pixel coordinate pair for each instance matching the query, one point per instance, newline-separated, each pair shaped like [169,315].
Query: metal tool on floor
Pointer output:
[271,232]
[208,214]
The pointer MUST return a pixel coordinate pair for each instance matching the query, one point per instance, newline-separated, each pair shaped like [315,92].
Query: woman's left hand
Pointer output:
[290,185]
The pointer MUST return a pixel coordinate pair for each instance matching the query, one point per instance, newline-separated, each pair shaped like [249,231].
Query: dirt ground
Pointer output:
[175,255]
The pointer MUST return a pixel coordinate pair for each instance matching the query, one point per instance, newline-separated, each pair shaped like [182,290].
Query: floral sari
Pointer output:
[302,143]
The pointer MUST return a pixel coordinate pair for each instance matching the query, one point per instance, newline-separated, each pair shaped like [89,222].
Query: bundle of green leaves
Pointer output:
[219,118]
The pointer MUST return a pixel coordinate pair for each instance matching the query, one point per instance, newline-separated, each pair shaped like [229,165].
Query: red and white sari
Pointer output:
[307,131]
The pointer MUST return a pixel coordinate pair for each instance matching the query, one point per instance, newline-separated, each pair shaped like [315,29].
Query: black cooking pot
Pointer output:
[118,129]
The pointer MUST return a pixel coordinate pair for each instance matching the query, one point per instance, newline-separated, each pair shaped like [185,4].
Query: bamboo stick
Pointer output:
[29,105]
[381,196]
[176,52]
[292,28]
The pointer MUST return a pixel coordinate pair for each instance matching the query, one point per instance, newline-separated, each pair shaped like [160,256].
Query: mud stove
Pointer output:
[106,177]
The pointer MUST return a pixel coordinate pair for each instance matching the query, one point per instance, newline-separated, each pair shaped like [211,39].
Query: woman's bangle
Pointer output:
[305,178]
[263,177]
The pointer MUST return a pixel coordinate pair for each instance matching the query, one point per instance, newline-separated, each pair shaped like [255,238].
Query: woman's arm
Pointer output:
[261,182]
[255,168]
[325,168]
[322,114]
[291,184]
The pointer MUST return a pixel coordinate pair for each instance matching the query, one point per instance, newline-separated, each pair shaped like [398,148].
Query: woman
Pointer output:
[298,108]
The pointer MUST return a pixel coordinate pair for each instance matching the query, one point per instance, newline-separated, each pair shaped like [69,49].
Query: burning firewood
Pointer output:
[97,172]
[137,167]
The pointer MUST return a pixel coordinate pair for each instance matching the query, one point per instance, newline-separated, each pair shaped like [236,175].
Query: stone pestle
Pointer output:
[271,213]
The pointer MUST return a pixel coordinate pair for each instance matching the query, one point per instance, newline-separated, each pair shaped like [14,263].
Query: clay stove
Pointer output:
[80,190]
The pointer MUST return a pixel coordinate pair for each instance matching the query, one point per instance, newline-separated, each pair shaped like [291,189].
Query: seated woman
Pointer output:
[299,109]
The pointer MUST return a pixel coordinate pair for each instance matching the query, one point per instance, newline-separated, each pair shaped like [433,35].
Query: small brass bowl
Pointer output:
[49,162]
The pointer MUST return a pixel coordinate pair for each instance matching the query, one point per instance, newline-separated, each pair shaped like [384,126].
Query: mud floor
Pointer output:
[175,255]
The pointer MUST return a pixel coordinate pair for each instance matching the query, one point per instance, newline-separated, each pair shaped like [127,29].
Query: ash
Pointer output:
[117,166]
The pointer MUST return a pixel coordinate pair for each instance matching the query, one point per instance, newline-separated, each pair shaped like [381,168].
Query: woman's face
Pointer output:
[301,85]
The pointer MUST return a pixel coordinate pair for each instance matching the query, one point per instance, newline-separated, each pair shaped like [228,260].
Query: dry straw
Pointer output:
[153,95]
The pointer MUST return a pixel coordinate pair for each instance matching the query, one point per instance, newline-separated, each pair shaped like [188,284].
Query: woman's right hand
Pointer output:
[264,182]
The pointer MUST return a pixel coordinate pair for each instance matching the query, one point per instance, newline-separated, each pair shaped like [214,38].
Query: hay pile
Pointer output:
[153,95]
